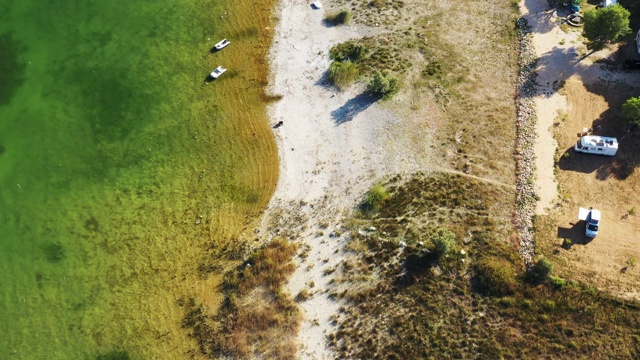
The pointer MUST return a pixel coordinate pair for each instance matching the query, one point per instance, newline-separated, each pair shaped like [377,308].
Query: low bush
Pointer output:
[375,198]
[496,276]
[383,85]
[343,74]
[444,241]
[339,18]
[540,271]
[349,50]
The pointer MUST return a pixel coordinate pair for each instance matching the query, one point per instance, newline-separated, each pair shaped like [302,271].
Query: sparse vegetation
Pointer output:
[258,317]
[450,314]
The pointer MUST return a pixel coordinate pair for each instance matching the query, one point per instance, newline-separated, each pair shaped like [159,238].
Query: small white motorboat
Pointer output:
[217,72]
[222,44]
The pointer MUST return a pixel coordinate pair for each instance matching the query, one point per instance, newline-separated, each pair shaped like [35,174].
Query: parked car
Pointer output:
[592,218]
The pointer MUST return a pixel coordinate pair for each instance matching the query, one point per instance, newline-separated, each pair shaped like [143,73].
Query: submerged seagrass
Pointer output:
[121,175]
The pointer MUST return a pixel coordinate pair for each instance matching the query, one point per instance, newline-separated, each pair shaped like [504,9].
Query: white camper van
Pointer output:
[599,145]
[592,218]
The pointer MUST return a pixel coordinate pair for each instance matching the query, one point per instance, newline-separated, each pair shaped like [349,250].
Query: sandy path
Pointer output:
[333,146]
[559,59]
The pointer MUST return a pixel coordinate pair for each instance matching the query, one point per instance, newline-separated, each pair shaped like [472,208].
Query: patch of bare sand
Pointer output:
[333,146]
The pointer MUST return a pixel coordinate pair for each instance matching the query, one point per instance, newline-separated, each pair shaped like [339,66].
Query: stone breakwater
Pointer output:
[524,150]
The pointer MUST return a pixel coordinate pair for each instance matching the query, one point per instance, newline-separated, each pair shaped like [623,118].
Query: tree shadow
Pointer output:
[584,163]
[353,107]
[615,86]
[540,17]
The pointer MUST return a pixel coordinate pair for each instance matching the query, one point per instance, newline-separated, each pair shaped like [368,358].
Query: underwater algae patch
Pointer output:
[11,69]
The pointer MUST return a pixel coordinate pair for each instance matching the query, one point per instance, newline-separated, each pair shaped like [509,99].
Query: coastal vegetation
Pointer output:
[405,301]
[258,318]
[370,58]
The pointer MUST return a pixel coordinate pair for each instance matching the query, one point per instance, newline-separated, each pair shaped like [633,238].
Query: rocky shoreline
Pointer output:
[526,119]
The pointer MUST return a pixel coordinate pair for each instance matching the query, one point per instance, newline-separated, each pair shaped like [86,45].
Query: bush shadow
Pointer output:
[353,107]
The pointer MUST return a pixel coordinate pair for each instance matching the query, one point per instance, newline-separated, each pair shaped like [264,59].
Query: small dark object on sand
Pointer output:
[280,123]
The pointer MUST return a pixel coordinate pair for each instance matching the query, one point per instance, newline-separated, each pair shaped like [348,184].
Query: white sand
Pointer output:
[333,146]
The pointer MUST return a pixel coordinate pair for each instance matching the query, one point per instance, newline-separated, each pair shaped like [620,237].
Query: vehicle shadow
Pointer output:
[573,235]
[353,107]
[585,163]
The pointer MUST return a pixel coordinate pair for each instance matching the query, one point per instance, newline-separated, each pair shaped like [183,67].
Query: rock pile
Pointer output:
[524,151]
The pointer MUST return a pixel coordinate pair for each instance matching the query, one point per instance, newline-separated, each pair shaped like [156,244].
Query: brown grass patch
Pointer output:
[407,303]
[258,318]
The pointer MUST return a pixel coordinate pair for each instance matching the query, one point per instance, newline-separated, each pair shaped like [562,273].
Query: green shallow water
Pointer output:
[120,173]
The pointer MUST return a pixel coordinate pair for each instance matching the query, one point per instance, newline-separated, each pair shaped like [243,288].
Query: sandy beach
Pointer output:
[333,146]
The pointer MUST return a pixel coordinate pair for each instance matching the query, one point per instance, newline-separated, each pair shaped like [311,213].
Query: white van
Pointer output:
[599,145]
[592,218]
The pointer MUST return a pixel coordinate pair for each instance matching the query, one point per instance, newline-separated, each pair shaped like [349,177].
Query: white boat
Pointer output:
[222,44]
[217,72]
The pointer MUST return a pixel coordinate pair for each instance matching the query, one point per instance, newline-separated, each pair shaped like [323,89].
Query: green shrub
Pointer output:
[383,85]
[349,50]
[339,18]
[605,25]
[444,241]
[496,276]
[558,282]
[541,270]
[375,198]
[631,110]
[343,74]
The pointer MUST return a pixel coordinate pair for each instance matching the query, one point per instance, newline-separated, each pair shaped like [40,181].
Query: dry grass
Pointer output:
[408,303]
[258,319]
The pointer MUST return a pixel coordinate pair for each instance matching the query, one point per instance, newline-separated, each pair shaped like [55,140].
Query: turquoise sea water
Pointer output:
[112,175]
